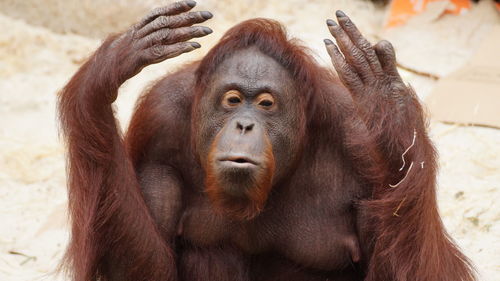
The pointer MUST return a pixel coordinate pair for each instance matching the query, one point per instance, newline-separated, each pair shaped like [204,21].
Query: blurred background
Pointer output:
[42,43]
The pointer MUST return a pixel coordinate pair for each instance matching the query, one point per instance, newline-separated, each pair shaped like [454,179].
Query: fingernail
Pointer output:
[328,42]
[330,22]
[191,3]
[207,30]
[340,14]
[195,45]
[206,15]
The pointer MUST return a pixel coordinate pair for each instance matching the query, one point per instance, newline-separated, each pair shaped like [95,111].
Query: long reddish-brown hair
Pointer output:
[414,248]
[250,205]
[113,230]
[270,38]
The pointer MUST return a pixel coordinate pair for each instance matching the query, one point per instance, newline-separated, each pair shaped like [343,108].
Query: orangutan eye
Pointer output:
[265,101]
[232,98]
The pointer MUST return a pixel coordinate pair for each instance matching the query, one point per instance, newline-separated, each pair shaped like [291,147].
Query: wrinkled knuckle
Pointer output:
[198,31]
[357,55]
[356,84]
[169,35]
[335,31]
[346,69]
[193,16]
[364,44]
[371,51]
[348,23]
[134,45]
[186,17]
[351,79]
[349,75]
[371,55]
[134,28]
[160,36]
[156,24]
[176,21]
[155,37]
[373,59]
[336,54]
[191,31]
[172,51]
[130,35]
[163,21]
[156,51]
[397,86]
[352,50]
[184,47]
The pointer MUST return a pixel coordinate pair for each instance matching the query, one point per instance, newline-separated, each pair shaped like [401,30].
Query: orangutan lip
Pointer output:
[239,160]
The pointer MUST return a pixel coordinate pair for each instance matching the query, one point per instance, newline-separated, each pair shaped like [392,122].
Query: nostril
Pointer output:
[239,126]
[244,127]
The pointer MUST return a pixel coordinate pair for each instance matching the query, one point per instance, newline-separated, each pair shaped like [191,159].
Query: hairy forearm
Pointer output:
[389,109]
[398,128]
[86,114]
[104,193]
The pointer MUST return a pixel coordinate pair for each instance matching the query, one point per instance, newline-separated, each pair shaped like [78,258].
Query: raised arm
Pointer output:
[114,236]
[390,109]
[400,228]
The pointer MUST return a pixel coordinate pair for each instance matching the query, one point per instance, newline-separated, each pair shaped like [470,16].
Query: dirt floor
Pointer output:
[41,46]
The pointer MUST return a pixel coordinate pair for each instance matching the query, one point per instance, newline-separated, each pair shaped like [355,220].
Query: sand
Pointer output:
[42,46]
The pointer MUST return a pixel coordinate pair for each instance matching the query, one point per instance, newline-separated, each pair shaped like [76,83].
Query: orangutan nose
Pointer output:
[244,125]
[243,136]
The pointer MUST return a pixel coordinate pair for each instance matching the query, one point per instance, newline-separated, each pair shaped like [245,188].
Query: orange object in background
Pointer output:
[458,7]
[401,10]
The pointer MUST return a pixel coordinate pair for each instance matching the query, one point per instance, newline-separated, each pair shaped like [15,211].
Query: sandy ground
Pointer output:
[41,46]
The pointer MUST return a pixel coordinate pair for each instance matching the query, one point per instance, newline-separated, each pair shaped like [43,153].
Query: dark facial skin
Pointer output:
[249,117]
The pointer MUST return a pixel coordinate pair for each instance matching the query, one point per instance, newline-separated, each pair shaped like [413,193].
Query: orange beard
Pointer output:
[256,191]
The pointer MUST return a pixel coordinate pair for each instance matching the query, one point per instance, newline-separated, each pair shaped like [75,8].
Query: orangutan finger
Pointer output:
[352,54]
[387,57]
[346,73]
[182,20]
[169,10]
[357,38]
[171,36]
[160,53]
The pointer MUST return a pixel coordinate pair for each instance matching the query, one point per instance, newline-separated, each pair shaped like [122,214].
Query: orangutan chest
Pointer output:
[319,242]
